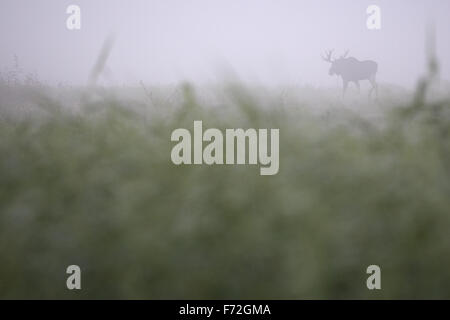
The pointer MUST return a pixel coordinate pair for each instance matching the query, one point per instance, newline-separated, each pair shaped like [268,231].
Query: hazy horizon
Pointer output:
[263,42]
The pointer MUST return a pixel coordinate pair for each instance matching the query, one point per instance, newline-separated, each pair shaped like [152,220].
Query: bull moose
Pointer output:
[352,70]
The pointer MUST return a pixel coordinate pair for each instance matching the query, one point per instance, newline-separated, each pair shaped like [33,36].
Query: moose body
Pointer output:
[352,70]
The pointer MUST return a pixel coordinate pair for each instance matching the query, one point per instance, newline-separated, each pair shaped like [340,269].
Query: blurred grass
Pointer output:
[97,188]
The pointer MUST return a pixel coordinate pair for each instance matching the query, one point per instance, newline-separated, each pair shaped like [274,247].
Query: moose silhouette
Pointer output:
[352,70]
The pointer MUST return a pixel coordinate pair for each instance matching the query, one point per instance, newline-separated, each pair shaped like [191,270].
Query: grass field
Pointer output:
[86,179]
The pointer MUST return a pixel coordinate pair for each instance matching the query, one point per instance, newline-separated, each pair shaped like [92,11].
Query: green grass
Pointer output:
[96,187]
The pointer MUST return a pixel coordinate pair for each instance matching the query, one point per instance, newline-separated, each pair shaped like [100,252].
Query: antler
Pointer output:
[327,57]
[344,55]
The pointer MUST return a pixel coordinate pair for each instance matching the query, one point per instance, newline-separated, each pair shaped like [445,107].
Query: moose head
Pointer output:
[336,64]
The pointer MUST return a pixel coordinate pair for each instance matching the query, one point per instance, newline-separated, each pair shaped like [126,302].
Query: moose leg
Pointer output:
[374,87]
[358,86]
[344,89]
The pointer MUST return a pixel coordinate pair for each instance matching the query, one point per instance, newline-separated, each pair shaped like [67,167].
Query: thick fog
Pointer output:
[262,41]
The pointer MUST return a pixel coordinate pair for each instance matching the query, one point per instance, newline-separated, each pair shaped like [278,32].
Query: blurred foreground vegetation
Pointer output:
[92,184]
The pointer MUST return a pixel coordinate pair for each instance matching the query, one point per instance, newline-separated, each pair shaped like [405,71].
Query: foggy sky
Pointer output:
[264,41]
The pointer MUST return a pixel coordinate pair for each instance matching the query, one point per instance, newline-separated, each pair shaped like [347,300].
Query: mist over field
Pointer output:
[271,42]
[86,176]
